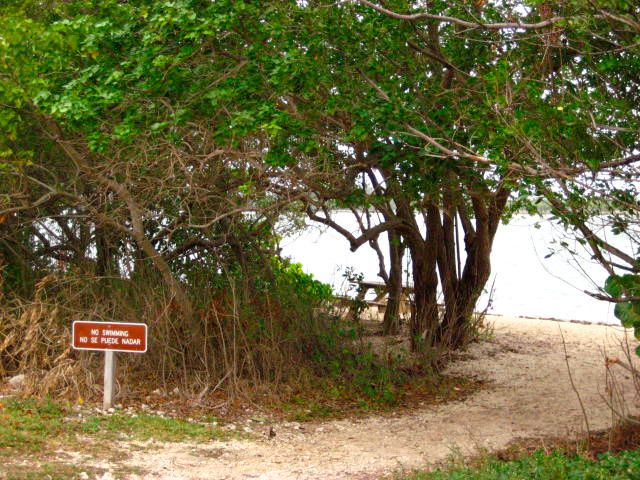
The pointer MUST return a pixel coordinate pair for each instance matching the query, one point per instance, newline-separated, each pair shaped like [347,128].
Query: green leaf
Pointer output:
[625,285]
[627,314]
[612,286]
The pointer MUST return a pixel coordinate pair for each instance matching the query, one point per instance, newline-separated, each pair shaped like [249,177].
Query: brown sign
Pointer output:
[119,337]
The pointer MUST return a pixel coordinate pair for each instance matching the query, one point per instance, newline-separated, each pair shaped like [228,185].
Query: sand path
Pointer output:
[529,395]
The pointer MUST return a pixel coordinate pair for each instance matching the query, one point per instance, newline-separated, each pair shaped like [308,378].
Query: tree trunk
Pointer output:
[391,322]
[424,254]
[462,295]
[454,331]
[424,318]
[106,264]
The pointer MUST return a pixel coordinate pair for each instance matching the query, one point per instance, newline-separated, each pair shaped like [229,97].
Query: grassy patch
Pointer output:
[541,466]
[27,425]
[144,426]
[31,426]
[50,471]
[331,400]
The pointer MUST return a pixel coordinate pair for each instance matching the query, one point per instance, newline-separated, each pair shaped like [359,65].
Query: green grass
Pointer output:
[26,425]
[540,466]
[33,430]
[49,471]
[29,425]
[143,426]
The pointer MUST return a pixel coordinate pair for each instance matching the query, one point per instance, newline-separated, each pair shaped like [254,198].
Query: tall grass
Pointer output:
[273,331]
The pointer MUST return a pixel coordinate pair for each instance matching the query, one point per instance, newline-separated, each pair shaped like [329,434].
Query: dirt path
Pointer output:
[529,395]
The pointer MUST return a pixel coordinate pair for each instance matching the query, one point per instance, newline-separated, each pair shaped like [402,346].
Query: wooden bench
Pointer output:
[381,306]
[382,293]
[380,301]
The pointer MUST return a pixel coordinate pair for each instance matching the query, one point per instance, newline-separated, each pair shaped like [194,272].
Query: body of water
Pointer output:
[532,275]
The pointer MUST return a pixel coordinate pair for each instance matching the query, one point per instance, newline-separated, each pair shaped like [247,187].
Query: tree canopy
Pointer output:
[167,138]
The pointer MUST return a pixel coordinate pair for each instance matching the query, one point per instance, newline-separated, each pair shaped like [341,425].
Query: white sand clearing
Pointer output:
[529,394]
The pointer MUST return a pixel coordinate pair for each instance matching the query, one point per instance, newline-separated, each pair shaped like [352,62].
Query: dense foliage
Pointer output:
[149,149]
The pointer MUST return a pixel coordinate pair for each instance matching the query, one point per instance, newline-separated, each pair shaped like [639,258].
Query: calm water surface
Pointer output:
[523,282]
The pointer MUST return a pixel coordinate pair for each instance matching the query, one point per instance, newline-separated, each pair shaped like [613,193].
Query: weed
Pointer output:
[555,466]
[26,425]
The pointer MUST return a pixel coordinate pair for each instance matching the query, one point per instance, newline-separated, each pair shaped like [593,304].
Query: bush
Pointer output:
[266,328]
[261,328]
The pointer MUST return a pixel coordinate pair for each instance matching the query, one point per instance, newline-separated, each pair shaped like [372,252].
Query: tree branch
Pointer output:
[355,242]
[464,23]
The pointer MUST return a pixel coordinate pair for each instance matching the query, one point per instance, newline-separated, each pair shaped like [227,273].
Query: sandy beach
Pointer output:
[529,393]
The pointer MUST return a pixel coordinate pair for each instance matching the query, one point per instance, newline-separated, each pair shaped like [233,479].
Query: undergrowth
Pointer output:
[340,400]
[542,466]
[271,334]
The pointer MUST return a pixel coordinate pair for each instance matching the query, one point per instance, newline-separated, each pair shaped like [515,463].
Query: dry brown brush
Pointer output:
[240,337]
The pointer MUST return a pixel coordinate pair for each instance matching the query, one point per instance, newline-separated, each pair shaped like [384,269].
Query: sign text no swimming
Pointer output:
[119,337]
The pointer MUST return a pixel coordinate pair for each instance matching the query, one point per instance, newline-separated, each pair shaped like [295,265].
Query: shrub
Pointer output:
[622,287]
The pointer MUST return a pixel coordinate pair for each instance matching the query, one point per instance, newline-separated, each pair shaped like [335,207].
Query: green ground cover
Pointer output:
[42,438]
[541,466]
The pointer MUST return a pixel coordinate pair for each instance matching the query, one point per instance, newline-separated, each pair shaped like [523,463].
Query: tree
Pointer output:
[122,99]
[184,126]
[133,170]
[377,84]
[596,198]
[562,96]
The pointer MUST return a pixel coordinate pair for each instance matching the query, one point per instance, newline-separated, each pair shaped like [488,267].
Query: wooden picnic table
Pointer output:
[380,301]
[381,289]
[382,292]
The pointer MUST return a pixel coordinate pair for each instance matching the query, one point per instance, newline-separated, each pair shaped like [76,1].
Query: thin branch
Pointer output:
[464,23]
[355,242]
[608,298]
[630,368]
[373,243]
[52,195]
[469,156]
[626,21]
[192,243]
[383,95]
[573,385]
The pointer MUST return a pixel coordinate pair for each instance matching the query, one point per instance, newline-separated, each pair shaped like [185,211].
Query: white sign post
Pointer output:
[110,337]
[109,377]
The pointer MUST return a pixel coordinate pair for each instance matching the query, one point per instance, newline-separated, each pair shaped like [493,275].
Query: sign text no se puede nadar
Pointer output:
[119,337]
